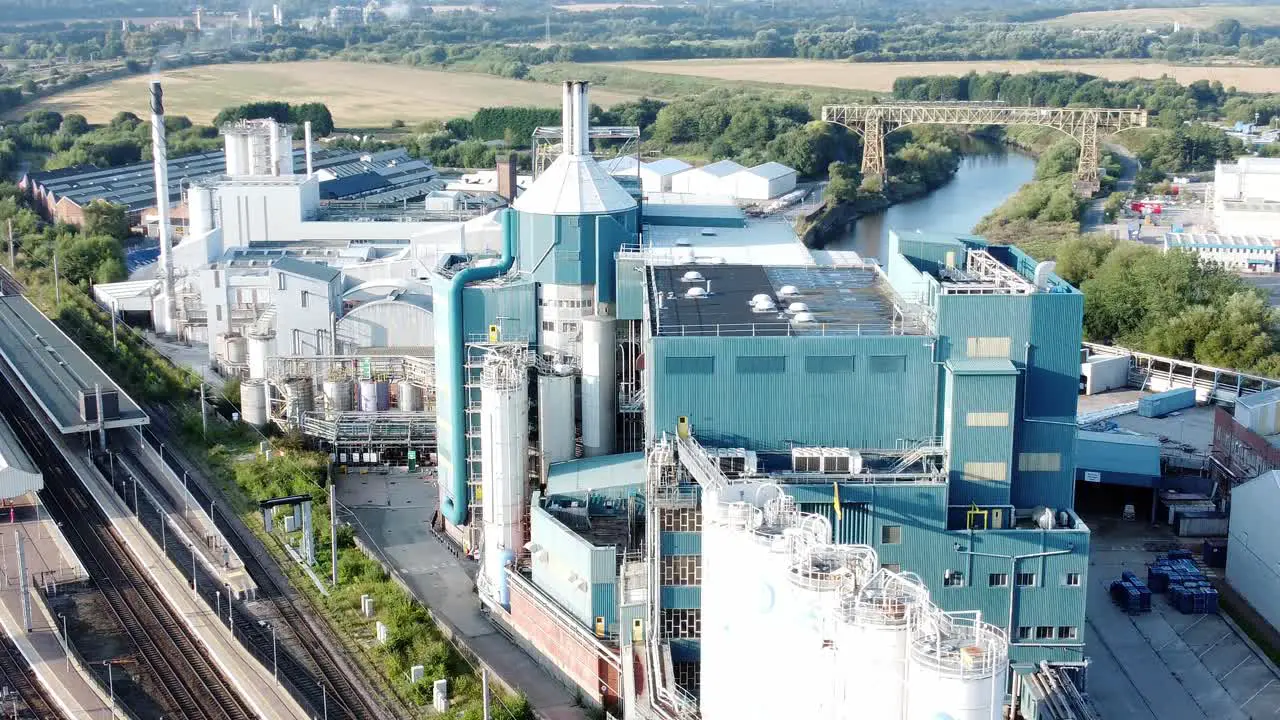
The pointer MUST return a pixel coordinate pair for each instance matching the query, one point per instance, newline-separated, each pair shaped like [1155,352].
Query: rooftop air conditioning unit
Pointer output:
[832,461]
[735,462]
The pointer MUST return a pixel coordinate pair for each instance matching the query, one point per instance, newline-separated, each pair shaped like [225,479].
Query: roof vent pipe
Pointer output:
[566,118]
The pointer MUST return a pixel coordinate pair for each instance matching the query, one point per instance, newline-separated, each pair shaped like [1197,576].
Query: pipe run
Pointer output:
[453,357]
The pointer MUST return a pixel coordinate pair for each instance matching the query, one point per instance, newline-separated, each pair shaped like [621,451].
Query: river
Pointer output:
[986,178]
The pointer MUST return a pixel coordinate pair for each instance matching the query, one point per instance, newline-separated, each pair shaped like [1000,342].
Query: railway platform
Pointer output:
[69,684]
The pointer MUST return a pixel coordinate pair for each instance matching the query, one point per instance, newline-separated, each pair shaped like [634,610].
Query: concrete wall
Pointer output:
[303,322]
[1105,372]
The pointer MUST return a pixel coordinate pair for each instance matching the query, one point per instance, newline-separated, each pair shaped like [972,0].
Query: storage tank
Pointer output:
[338,395]
[299,397]
[408,396]
[957,668]
[599,385]
[259,350]
[874,633]
[253,402]
[557,429]
[199,210]
[504,449]
[237,349]
[375,395]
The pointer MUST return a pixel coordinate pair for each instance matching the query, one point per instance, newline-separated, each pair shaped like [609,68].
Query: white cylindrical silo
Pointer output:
[375,396]
[236,149]
[299,397]
[556,427]
[409,396]
[253,402]
[873,635]
[504,450]
[199,210]
[957,668]
[236,349]
[259,351]
[599,385]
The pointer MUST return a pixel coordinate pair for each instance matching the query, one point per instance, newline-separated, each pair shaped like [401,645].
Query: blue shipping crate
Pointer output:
[1161,404]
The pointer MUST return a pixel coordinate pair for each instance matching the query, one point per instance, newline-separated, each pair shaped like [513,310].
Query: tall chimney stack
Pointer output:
[582,123]
[506,178]
[566,119]
[160,162]
[306,144]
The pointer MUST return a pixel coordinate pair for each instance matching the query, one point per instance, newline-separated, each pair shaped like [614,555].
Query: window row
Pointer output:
[777,364]
[564,327]
[1047,632]
[542,302]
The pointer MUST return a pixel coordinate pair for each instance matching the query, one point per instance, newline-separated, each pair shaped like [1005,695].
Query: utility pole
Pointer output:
[57,289]
[333,533]
[12,266]
[23,582]
[204,417]
[484,690]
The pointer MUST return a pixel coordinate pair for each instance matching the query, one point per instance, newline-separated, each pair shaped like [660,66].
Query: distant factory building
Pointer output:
[707,180]
[654,176]
[1246,197]
[729,179]
[1244,253]
[763,182]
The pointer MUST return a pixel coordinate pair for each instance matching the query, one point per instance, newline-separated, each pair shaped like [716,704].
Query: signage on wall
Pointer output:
[1092,476]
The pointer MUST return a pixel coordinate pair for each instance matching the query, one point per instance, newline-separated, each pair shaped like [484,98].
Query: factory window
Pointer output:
[998,580]
[1026,579]
[882,364]
[569,327]
[304,298]
[1024,632]
[280,280]
[892,567]
[1073,579]
[1039,462]
[1044,632]
[986,419]
[690,365]
[953,578]
[985,471]
[217,312]
[761,364]
[548,326]
[1066,632]
[987,347]
[828,364]
[217,281]
[891,535]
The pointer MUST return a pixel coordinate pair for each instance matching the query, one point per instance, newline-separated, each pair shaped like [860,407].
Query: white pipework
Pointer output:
[582,123]
[566,118]
[160,163]
[306,144]
[572,140]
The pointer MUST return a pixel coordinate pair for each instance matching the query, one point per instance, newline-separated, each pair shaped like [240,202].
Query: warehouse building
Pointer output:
[1253,550]
[1241,253]
[1246,197]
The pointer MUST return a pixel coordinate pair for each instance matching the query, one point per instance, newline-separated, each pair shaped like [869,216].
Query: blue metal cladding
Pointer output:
[574,249]
[681,543]
[631,284]
[604,603]
[681,597]
[512,306]
[975,435]
[1044,341]
[854,525]
[874,404]
[1118,459]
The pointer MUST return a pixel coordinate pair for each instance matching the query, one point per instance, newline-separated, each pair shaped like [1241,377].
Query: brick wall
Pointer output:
[576,657]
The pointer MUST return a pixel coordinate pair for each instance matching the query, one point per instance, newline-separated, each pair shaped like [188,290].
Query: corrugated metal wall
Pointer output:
[975,435]
[774,411]
[631,288]
[514,302]
[386,324]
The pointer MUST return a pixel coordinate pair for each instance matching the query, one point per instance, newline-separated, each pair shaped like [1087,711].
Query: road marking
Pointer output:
[1251,697]
[1225,635]
[1243,661]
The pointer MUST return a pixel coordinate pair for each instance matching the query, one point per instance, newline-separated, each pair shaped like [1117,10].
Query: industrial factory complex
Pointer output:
[699,464]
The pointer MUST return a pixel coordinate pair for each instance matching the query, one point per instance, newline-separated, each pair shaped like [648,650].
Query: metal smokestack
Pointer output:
[160,162]
[306,144]
[582,123]
[566,119]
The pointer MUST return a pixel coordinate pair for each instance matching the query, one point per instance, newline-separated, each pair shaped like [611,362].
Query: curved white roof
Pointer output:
[574,185]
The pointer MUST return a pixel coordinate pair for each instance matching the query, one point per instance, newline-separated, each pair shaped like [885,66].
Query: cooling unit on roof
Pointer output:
[694,293]
[796,308]
[692,276]
[841,461]
[788,291]
[802,318]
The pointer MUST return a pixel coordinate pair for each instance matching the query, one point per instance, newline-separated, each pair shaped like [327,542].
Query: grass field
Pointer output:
[880,76]
[358,95]
[1195,17]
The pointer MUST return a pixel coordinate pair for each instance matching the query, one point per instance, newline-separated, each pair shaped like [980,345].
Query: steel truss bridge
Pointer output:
[873,122]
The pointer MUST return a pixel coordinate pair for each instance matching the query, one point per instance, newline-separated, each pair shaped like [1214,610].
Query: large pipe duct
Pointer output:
[451,355]
[160,163]
[306,145]
[566,118]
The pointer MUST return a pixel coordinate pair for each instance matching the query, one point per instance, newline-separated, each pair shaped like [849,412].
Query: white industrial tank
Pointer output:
[599,385]
[409,396]
[956,669]
[874,636]
[259,350]
[199,210]
[337,395]
[375,396]
[556,426]
[237,349]
[253,402]
[299,397]
[504,449]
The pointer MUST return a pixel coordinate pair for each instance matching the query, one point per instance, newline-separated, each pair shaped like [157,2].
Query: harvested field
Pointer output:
[1195,17]
[358,94]
[880,76]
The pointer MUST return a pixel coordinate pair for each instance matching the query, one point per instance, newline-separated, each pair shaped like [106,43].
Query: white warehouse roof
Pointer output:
[574,185]
[18,475]
[667,166]
[770,170]
[721,168]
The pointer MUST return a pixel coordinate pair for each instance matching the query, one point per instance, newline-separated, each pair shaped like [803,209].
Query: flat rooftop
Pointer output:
[56,371]
[758,242]
[837,301]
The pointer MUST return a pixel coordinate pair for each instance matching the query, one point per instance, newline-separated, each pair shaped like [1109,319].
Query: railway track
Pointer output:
[316,675]
[19,680]
[190,685]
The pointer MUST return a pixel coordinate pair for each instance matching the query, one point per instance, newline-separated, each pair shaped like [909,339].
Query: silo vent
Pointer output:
[692,276]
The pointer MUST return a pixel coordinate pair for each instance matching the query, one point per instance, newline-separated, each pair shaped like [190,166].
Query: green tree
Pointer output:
[106,218]
[85,259]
